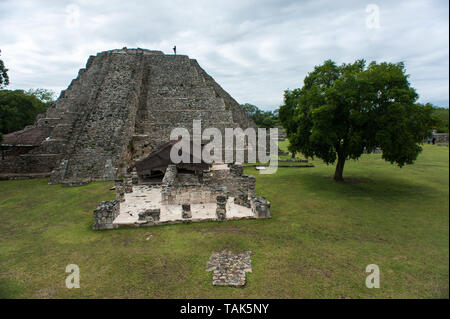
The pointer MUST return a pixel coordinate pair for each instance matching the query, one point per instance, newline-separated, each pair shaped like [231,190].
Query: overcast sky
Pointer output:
[253,49]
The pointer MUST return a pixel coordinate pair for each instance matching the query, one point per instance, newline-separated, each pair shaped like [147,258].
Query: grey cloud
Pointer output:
[254,49]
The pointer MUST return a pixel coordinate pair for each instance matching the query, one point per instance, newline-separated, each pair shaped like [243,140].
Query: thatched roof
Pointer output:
[160,159]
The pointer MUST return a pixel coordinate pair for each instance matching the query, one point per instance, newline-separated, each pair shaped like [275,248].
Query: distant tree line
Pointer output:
[440,118]
[19,108]
[265,119]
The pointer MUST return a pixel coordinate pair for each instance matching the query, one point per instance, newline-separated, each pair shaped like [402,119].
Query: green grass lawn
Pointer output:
[320,239]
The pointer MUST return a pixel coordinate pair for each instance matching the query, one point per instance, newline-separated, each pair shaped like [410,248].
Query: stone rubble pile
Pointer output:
[228,268]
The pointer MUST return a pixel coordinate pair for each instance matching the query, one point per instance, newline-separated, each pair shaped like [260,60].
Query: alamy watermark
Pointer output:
[73,280]
[72,16]
[373,16]
[231,148]
[373,280]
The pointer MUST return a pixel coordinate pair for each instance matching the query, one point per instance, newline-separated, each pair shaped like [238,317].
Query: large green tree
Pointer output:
[342,111]
[18,109]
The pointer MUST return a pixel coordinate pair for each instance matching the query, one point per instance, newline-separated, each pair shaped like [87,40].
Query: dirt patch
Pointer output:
[127,241]
[167,271]
[221,230]
[354,180]
[44,293]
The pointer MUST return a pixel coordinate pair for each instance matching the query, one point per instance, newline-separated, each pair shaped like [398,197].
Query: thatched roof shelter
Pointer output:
[158,160]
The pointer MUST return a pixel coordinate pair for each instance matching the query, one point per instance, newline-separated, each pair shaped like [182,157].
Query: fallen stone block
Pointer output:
[149,215]
[105,214]
[261,207]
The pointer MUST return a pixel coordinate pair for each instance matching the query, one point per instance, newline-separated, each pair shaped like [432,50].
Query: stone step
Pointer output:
[187,116]
[52,146]
[61,131]
[12,176]
[40,155]
[177,104]
[177,91]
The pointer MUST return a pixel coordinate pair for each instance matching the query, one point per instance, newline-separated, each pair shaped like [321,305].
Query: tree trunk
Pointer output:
[339,169]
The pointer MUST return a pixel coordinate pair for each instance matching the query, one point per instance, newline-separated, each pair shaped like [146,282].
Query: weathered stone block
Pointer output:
[261,207]
[221,211]
[186,211]
[128,185]
[105,214]
[236,169]
[242,199]
[221,214]
[251,186]
[150,215]
[120,190]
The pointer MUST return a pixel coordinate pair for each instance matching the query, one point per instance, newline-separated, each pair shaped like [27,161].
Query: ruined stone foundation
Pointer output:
[221,193]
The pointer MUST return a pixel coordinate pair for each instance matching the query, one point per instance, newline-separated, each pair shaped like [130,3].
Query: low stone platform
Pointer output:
[228,268]
[24,176]
[147,198]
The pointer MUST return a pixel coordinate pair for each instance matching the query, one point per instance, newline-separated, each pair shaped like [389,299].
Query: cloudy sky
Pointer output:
[254,49]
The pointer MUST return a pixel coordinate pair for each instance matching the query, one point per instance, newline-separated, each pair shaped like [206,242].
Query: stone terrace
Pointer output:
[147,197]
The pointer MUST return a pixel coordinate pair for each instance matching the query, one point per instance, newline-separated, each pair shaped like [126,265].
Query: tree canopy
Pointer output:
[4,79]
[19,109]
[265,119]
[440,118]
[46,96]
[343,111]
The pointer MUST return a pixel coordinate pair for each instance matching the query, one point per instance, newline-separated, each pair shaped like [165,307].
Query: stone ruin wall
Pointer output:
[232,183]
[179,91]
[105,214]
[23,159]
[122,106]
[235,182]
[175,193]
[441,137]
[102,131]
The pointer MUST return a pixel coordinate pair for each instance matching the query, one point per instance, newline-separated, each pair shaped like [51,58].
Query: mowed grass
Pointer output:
[317,244]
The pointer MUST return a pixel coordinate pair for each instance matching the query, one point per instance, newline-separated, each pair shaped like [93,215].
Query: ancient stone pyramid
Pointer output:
[122,106]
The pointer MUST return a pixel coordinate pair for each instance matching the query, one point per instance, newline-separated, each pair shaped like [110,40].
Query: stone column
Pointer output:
[128,184]
[251,186]
[236,169]
[167,195]
[221,210]
[134,176]
[261,207]
[186,213]
[120,190]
